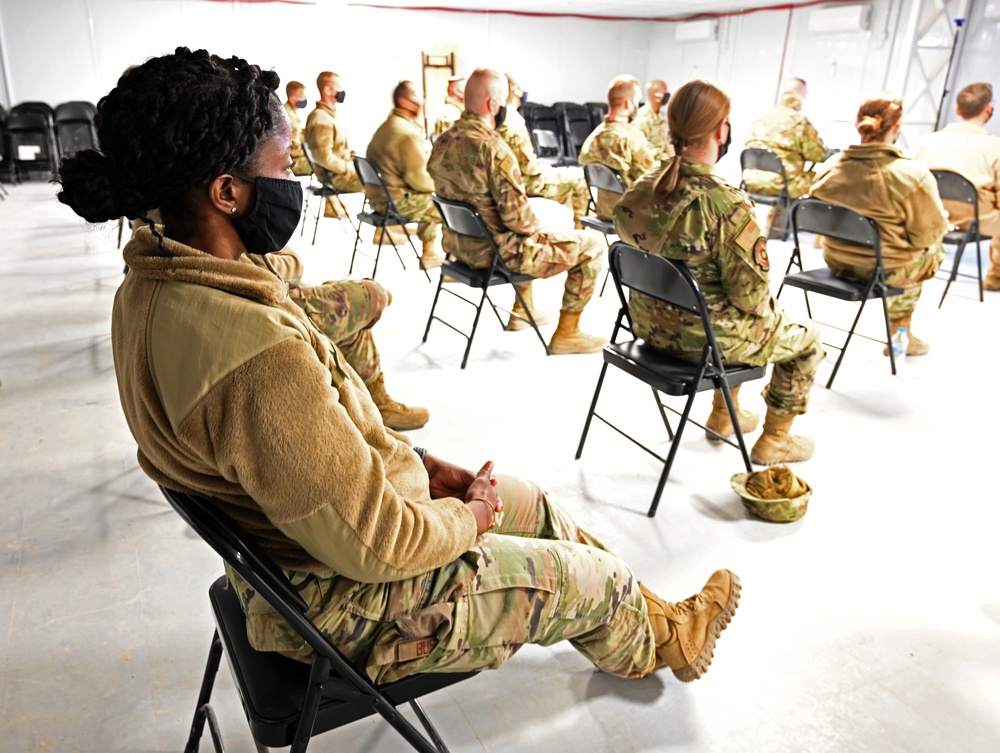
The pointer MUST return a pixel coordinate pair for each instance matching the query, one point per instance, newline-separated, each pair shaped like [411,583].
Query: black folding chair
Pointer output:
[834,221]
[323,191]
[576,128]
[597,112]
[287,702]
[547,146]
[370,175]
[672,283]
[5,163]
[464,219]
[75,129]
[30,142]
[767,161]
[955,187]
[602,178]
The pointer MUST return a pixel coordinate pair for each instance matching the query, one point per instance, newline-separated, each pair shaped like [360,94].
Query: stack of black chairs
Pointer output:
[569,125]
[34,137]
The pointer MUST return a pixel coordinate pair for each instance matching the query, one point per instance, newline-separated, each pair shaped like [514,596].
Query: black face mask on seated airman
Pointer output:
[501,116]
[301,104]
[341,96]
[723,148]
[276,211]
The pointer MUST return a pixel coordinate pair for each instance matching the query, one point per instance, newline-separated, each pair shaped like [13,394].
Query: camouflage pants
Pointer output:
[563,184]
[796,356]
[347,181]
[419,208]
[910,277]
[537,578]
[300,165]
[345,312]
[577,252]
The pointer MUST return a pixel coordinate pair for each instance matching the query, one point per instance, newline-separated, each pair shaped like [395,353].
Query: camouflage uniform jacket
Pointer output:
[654,127]
[471,162]
[400,150]
[789,134]
[452,111]
[231,393]
[515,132]
[328,140]
[899,193]
[710,226]
[619,145]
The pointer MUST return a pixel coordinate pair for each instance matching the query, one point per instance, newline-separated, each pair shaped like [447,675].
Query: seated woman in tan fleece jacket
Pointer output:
[875,179]
[232,394]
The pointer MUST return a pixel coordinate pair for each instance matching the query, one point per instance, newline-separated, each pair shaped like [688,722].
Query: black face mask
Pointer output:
[301,104]
[341,95]
[271,223]
[524,98]
[723,148]
[501,115]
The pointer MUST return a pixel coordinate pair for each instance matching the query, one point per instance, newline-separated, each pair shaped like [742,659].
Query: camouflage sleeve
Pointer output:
[642,159]
[523,151]
[926,218]
[284,263]
[507,190]
[741,254]
[414,162]
[812,145]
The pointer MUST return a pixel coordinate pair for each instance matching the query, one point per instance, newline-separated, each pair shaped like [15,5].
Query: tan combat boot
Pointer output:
[431,257]
[569,338]
[991,283]
[515,323]
[719,421]
[395,415]
[334,209]
[686,631]
[915,346]
[389,237]
[776,445]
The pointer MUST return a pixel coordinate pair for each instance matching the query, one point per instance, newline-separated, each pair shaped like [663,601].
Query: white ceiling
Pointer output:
[607,8]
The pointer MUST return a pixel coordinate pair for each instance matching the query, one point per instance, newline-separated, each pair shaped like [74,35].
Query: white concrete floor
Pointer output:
[871,625]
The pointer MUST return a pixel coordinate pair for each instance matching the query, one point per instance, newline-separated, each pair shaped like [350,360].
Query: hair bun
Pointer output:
[88,187]
[869,124]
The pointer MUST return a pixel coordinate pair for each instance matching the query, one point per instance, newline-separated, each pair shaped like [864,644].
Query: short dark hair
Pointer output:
[293,86]
[402,89]
[171,125]
[972,100]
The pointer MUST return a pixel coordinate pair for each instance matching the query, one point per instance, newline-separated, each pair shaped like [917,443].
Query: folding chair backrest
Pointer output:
[665,279]
[462,218]
[955,187]
[75,111]
[835,221]
[576,125]
[604,178]
[318,170]
[75,128]
[369,173]
[761,159]
[597,112]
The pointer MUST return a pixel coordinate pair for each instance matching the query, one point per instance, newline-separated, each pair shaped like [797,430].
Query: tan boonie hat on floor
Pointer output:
[775,494]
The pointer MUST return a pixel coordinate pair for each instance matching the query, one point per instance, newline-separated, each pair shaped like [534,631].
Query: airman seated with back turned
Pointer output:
[454,104]
[617,143]
[471,163]
[651,119]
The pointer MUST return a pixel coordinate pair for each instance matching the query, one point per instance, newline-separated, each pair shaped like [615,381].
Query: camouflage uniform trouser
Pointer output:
[910,277]
[796,356]
[345,312]
[537,578]
[419,208]
[563,184]
[579,253]
[347,181]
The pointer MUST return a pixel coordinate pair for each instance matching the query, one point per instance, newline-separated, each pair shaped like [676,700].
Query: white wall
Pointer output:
[980,60]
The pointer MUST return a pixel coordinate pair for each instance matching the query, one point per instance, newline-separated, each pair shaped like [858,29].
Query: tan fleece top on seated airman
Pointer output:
[232,394]
[900,194]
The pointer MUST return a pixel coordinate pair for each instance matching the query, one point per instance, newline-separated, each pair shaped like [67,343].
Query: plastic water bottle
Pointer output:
[900,341]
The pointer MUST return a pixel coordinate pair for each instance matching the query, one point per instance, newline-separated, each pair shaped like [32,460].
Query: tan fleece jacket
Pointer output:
[400,150]
[231,393]
[327,139]
[900,194]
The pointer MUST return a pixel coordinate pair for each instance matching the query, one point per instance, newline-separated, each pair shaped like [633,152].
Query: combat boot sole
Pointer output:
[698,667]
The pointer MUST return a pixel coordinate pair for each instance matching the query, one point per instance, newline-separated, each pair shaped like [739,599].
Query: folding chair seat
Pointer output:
[287,702]
[75,129]
[834,221]
[464,219]
[597,112]
[602,178]
[547,147]
[767,161]
[547,119]
[576,128]
[955,187]
[370,175]
[323,191]
[672,283]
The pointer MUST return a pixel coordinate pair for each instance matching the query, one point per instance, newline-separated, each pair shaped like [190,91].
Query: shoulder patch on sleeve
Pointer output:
[508,167]
[760,254]
[748,236]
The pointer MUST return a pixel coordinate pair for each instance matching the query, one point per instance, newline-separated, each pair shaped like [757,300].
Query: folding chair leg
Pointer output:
[420,258]
[663,413]
[593,408]
[475,324]
[954,272]
[670,456]
[430,317]
[979,268]
[121,229]
[319,213]
[203,711]
[396,248]
[318,676]
[888,336]
[357,237]
[734,417]
[431,730]
[531,318]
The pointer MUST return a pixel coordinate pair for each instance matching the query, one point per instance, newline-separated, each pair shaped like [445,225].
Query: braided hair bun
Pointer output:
[171,125]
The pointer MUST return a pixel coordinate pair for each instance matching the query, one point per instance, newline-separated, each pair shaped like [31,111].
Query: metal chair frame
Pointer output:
[956,187]
[323,191]
[601,178]
[836,221]
[671,282]
[371,175]
[465,220]
[285,701]
[767,161]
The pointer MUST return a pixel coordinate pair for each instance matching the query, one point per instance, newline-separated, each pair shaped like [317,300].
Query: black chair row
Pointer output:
[558,132]
[35,137]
